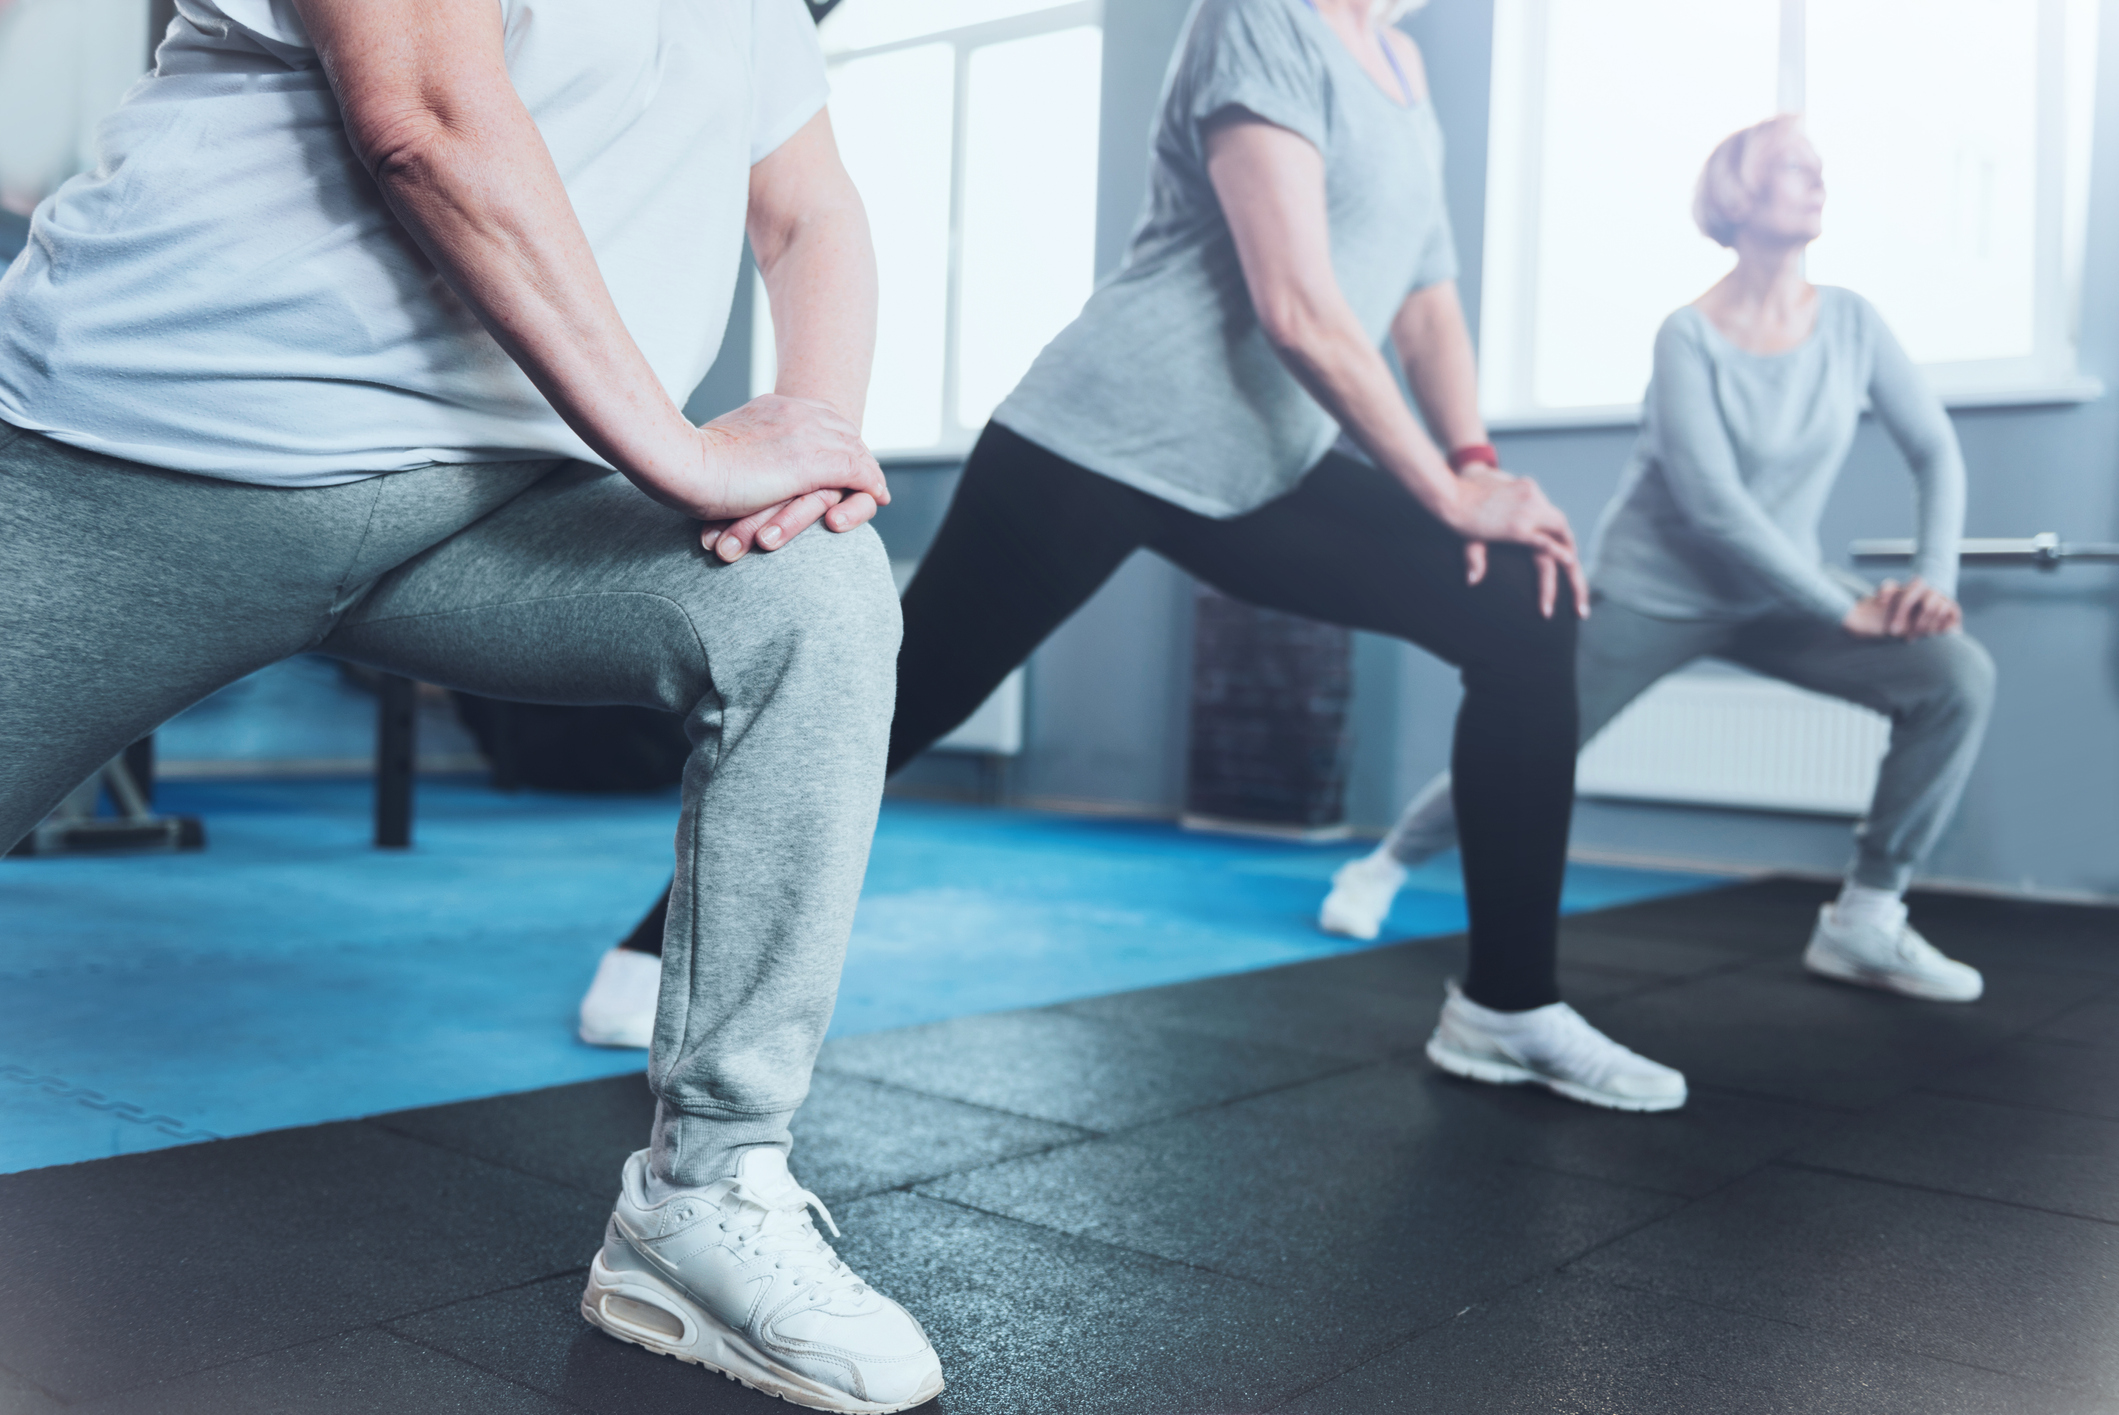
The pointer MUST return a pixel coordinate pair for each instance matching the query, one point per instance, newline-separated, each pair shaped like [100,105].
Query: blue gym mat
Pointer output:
[291,974]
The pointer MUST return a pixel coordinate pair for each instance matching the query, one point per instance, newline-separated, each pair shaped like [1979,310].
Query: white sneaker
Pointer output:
[733,1277]
[618,1010]
[1877,957]
[1362,891]
[1553,1047]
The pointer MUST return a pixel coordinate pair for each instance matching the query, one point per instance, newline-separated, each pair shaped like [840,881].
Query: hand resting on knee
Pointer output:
[1913,610]
[428,104]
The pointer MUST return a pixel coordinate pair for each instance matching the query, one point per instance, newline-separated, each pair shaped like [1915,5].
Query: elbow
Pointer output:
[1290,321]
[403,150]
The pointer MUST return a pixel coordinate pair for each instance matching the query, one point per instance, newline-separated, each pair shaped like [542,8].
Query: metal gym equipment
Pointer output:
[396,756]
[2045,551]
[74,828]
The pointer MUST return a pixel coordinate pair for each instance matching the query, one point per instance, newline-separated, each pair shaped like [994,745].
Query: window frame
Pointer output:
[955,440]
[2050,375]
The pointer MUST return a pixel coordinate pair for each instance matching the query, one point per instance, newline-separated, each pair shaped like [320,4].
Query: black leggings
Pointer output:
[1030,536]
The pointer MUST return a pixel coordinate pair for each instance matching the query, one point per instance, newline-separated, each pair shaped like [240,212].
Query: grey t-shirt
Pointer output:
[1165,381]
[1716,514]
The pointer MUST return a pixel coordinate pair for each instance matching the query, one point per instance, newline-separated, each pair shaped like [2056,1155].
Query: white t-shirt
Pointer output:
[227,294]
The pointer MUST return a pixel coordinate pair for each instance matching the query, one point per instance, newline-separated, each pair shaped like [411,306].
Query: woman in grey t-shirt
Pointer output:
[1710,549]
[1294,218]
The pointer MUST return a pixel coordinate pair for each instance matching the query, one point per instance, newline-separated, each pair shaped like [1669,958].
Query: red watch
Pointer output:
[1472,452]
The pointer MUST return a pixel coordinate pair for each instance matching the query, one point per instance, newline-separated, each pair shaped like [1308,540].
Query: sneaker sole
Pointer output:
[639,1307]
[1826,965]
[615,1037]
[1504,1073]
[1335,919]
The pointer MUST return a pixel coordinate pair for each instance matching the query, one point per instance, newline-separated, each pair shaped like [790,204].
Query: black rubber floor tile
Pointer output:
[1413,971]
[1570,1344]
[19,1397]
[1993,933]
[364,1373]
[1028,1320]
[1593,941]
[2067,1163]
[1024,1320]
[1763,918]
[852,1137]
[1360,1188]
[1716,1137]
[536,1335]
[2064,1076]
[1286,1007]
[1772,1029]
[1582,985]
[1075,1070]
[150,1266]
[1296,1008]
[576,1135]
[2094,1023]
[856,1137]
[2029,1294]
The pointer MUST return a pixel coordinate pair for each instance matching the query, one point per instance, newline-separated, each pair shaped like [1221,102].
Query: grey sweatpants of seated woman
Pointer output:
[1937,692]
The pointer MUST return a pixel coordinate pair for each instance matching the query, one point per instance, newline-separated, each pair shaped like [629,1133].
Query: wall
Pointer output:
[1108,691]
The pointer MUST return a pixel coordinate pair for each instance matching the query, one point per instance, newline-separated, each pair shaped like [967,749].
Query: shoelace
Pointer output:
[783,1231]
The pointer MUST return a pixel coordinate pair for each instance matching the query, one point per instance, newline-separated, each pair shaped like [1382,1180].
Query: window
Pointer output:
[970,127]
[63,65]
[1955,135]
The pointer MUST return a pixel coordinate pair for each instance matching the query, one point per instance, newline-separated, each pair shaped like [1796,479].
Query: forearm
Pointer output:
[1698,465]
[1329,354]
[820,280]
[1939,528]
[1271,187]
[1435,346]
[1921,427]
[1732,527]
[1918,424]
[485,203]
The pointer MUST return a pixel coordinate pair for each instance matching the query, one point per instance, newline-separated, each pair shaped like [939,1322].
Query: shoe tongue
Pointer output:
[763,1170]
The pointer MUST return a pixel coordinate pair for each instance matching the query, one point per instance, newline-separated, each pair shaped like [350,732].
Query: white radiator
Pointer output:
[1731,739]
[996,729]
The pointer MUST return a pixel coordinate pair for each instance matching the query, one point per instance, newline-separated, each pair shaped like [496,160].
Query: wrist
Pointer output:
[677,465]
[1474,454]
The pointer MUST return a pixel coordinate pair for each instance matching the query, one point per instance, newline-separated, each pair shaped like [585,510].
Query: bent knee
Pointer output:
[824,593]
[1965,671]
[845,577]
[1515,642]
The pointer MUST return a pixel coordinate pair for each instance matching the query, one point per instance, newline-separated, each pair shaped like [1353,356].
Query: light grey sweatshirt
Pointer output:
[1716,515]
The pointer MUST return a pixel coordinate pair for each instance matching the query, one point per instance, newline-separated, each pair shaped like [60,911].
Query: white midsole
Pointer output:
[707,1341]
[1827,964]
[1497,1072]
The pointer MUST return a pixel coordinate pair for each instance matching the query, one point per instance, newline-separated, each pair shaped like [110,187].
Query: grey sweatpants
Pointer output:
[1937,692]
[127,593]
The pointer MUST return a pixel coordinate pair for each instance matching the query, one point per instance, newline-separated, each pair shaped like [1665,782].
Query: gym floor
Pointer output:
[1238,1193]
[291,974]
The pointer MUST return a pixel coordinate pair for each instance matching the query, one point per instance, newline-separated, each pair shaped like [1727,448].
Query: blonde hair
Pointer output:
[1729,187]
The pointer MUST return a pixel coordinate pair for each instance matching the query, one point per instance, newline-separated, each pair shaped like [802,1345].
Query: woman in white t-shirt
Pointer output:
[368,333]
